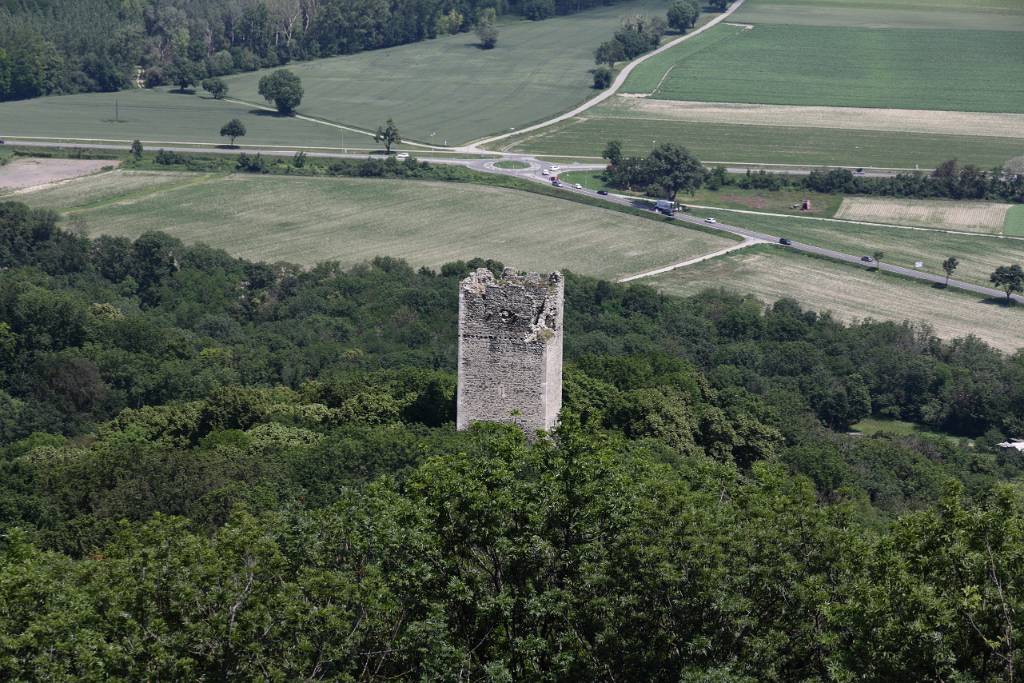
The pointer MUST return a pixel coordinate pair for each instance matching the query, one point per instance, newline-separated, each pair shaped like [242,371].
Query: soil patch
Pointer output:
[27,175]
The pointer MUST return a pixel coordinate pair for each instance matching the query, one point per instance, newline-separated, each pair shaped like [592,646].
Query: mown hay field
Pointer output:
[850,293]
[838,66]
[984,217]
[447,89]
[309,220]
[722,142]
[979,255]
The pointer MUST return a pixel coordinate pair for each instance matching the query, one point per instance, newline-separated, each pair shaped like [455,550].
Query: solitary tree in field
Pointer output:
[233,129]
[486,28]
[683,14]
[672,168]
[950,265]
[215,87]
[283,88]
[1010,279]
[388,134]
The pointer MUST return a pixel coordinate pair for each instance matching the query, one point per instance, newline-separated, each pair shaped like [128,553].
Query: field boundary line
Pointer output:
[620,79]
[747,242]
[868,223]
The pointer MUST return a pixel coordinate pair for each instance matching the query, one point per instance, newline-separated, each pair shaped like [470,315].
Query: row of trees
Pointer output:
[949,180]
[63,46]
[637,35]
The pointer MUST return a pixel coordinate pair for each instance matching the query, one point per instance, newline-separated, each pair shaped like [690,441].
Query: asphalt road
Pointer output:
[853,259]
[534,172]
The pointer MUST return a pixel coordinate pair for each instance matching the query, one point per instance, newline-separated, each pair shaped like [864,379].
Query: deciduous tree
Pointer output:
[1010,279]
[388,134]
[233,129]
[283,88]
[486,28]
[950,265]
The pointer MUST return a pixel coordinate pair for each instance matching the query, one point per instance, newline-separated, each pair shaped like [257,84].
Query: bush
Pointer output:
[602,77]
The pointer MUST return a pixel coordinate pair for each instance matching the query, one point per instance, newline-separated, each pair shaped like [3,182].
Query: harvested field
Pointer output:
[850,293]
[983,217]
[122,187]
[849,118]
[309,220]
[23,175]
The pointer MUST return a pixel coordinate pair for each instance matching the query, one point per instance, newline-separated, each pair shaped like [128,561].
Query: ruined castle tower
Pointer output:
[510,349]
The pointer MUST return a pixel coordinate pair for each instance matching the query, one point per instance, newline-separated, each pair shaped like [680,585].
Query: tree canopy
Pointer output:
[283,88]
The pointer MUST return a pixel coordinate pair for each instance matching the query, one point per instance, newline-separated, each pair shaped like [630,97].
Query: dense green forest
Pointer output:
[214,469]
[66,46]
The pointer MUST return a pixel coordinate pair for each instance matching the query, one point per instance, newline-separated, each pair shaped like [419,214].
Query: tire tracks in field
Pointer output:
[143,193]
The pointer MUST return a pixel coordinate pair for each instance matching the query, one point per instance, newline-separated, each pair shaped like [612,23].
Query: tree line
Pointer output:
[67,46]
[669,168]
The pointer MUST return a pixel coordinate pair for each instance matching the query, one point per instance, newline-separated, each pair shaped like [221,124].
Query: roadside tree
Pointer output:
[233,129]
[486,28]
[216,87]
[602,77]
[1010,279]
[609,52]
[683,15]
[388,134]
[613,152]
[283,88]
[950,265]
[878,256]
[136,150]
[672,168]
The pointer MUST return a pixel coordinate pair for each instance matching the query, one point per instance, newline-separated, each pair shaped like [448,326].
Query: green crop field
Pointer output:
[850,293]
[157,114]
[448,89]
[992,15]
[1014,224]
[308,220]
[838,66]
[979,255]
[587,137]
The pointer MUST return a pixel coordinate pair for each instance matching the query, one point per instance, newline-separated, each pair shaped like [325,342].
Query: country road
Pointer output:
[533,173]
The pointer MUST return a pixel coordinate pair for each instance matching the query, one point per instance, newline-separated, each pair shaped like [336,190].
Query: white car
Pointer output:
[545,172]
[402,155]
[554,168]
[709,219]
[578,186]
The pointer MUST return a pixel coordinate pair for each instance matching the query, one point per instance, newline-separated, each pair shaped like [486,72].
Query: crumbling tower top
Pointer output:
[510,349]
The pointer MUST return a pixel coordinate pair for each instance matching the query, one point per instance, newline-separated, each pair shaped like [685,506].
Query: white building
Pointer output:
[1015,444]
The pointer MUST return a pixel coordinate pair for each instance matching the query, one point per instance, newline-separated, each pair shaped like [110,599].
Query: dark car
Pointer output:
[866,259]
[602,191]
[785,241]
[556,183]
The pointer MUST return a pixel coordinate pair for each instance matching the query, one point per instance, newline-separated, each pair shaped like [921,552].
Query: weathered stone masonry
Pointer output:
[510,349]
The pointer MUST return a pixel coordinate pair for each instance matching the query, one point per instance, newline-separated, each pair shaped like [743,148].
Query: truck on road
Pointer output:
[665,206]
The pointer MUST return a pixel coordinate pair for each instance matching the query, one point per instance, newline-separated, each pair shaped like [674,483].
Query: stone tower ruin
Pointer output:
[510,349]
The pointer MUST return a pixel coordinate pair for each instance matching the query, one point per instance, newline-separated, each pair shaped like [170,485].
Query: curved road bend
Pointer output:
[533,172]
[611,90]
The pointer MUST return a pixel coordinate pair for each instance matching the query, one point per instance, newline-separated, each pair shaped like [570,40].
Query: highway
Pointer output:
[533,172]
